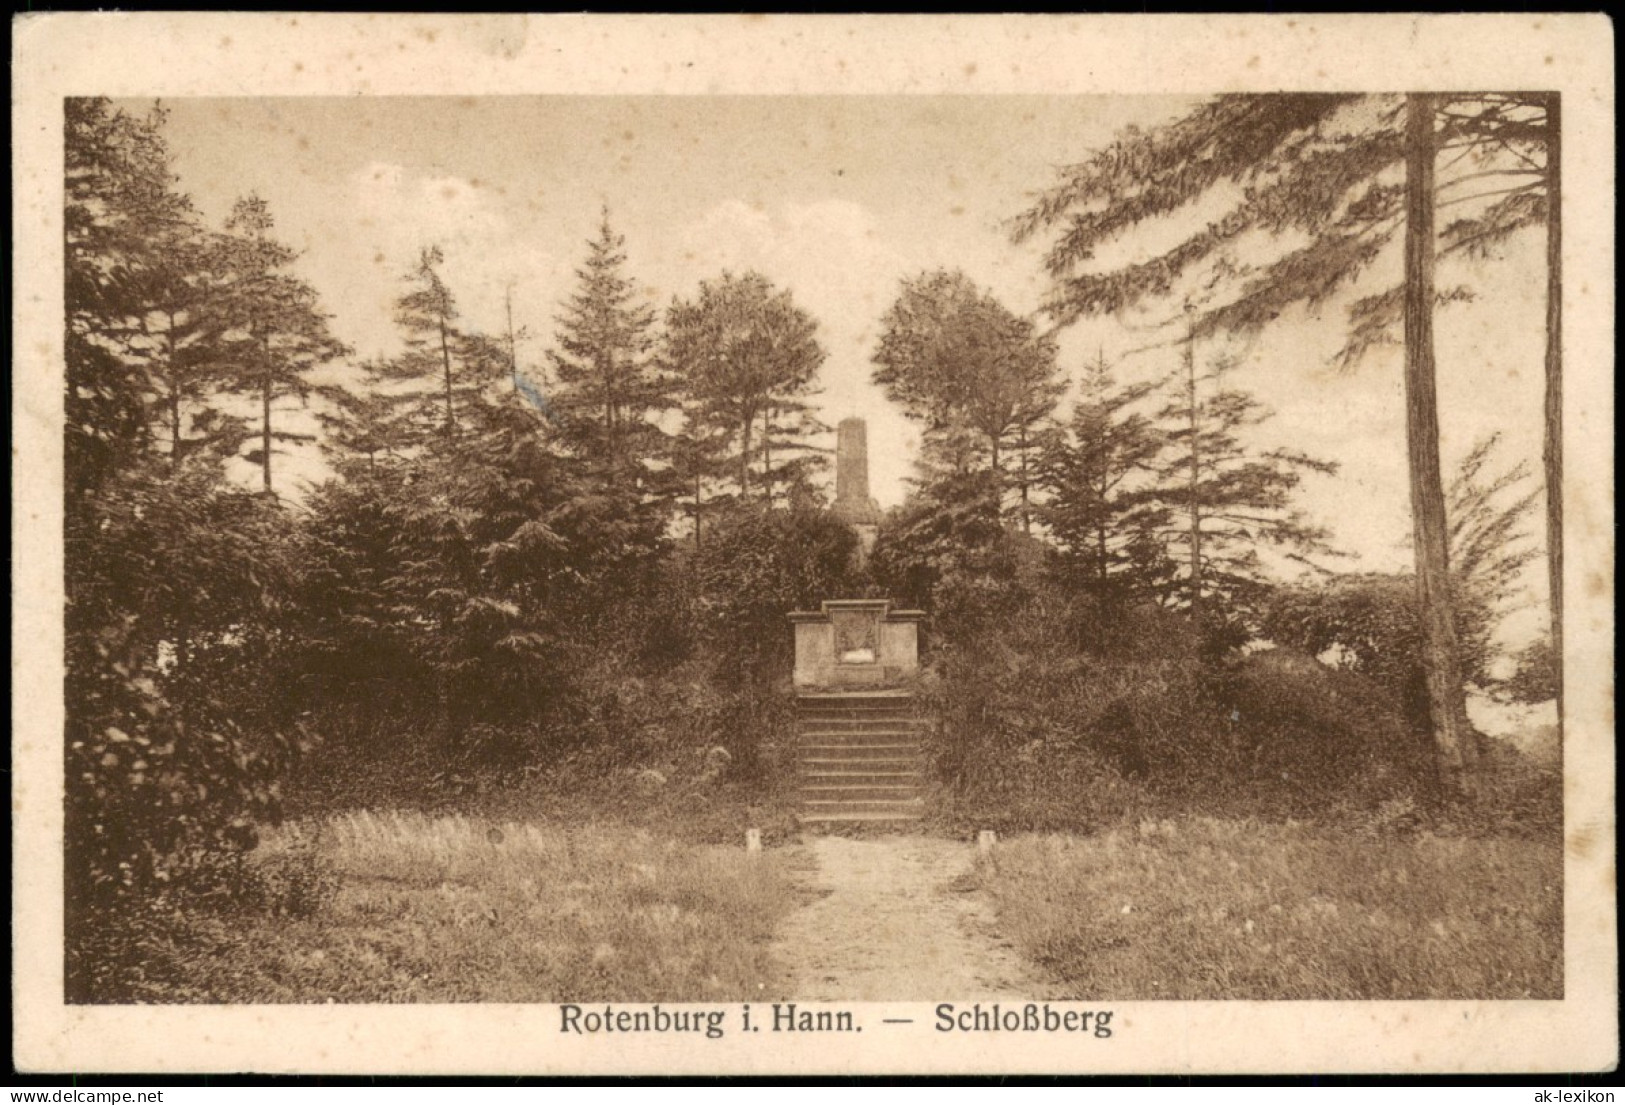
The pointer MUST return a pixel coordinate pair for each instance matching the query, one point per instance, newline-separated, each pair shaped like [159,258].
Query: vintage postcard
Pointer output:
[805,545]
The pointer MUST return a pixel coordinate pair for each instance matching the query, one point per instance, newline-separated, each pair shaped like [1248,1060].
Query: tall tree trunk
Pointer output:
[767,454]
[998,476]
[697,493]
[513,351]
[1026,504]
[174,427]
[1441,656]
[1102,536]
[174,396]
[607,460]
[1552,454]
[265,429]
[1195,477]
[744,454]
[445,357]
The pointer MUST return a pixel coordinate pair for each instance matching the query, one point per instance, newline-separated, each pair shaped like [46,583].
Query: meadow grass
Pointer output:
[1204,909]
[418,908]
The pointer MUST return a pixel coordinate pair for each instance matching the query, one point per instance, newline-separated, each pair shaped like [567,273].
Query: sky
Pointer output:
[837,199]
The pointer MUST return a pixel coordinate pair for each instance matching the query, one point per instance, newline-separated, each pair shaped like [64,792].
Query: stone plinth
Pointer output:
[856,643]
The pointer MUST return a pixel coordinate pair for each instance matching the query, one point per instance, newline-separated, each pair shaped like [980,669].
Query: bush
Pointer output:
[757,565]
[176,745]
[1372,622]
[1032,734]
[1311,733]
[1537,676]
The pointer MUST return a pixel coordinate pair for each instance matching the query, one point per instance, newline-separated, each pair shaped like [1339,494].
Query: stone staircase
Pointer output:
[859,757]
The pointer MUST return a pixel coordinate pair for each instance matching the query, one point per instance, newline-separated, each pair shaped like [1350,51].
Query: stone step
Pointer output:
[826,789]
[854,705]
[863,694]
[857,772]
[858,727]
[858,757]
[882,706]
[859,740]
[890,763]
[862,805]
[867,755]
[855,715]
[828,818]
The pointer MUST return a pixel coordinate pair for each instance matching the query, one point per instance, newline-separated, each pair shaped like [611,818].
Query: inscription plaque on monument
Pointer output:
[857,636]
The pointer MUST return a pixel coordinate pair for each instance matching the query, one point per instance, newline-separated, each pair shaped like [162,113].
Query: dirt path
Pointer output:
[893,922]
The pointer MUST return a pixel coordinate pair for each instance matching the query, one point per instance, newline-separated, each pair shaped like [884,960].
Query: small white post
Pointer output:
[985,840]
[753,841]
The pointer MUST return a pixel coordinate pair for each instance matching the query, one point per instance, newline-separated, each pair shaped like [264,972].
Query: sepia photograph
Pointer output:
[961,567]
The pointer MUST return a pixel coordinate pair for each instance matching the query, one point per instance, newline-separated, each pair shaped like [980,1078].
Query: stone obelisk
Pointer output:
[853,504]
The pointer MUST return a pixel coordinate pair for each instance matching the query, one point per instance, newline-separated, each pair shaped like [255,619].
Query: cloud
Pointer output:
[835,259]
[398,212]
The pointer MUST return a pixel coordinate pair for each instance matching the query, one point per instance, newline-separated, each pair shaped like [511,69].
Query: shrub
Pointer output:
[1372,622]
[176,742]
[1309,732]
[947,551]
[1537,676]
[756,565]
[1032,734]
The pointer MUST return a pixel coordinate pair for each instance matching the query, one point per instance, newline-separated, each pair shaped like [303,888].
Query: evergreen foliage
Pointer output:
[962,364]
[1103,510]
[609,388]
[747,357]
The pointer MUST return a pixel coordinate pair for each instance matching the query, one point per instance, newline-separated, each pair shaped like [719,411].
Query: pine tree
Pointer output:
[361,424]
[120,208]
[1226,501]
[1344,172]
[1103,508]
[609,389]
[699,466]
[276,330]
[444,371]
[743,350]
[184,330]
[957,360]
[789,457]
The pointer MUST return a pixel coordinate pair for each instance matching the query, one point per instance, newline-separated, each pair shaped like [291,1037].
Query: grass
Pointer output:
[1209,910]
[416,908]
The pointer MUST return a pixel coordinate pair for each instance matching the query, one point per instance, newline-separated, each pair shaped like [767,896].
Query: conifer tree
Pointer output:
[1345,173]
[277,330]
[1226,501]
[699,464]
[120,208]
[1103,508]
[443,371]
[743,350]
[609,390]
[957,360]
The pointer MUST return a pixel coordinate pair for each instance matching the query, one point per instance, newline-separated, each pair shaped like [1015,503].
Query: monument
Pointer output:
[855,643]
[853,504]
[859,754]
